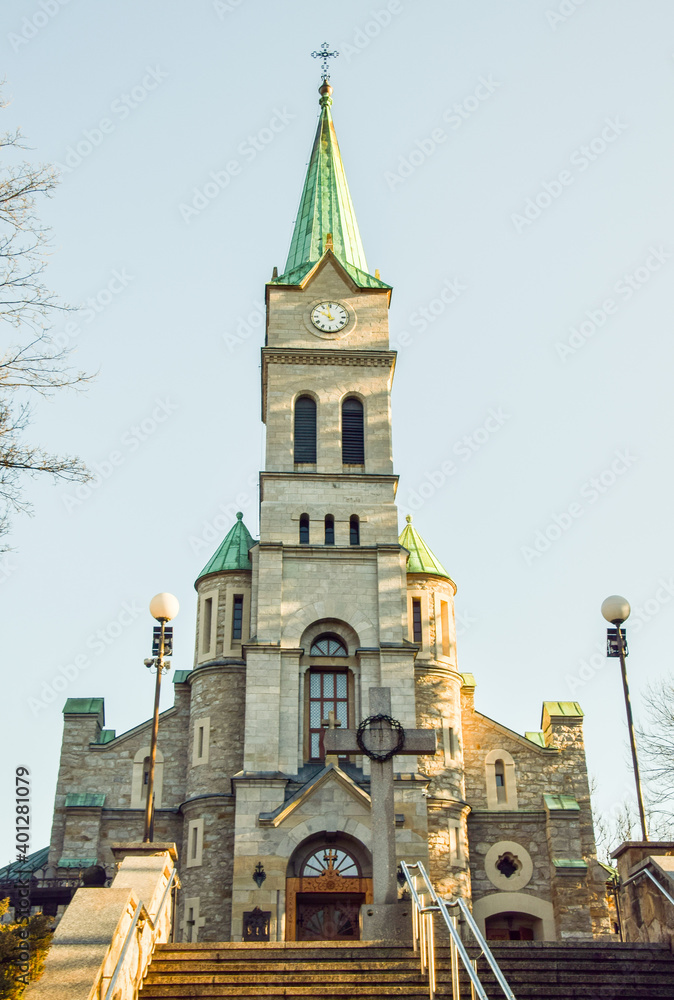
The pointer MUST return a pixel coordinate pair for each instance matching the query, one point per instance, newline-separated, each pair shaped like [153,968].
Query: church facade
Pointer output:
[275,839]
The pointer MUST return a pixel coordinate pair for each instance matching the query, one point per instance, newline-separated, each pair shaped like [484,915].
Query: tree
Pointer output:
[12,948]
[35,364]
[656,747]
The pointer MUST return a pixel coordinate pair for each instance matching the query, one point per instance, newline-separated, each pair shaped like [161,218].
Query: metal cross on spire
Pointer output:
[323,54]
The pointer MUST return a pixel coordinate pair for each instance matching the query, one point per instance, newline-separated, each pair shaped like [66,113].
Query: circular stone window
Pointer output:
[508,866]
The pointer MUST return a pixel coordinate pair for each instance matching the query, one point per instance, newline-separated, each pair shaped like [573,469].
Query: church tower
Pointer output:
[329,594]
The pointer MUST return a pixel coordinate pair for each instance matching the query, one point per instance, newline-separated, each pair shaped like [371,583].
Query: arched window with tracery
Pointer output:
[330,861]
[328,645]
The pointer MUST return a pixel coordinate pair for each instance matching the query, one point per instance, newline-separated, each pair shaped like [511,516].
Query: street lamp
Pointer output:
[616,610]
[163,607]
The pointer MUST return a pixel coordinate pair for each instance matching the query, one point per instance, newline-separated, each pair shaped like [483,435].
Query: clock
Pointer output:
[329,317]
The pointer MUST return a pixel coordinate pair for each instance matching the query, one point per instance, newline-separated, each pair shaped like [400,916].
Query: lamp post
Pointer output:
[616,610]
[163,607]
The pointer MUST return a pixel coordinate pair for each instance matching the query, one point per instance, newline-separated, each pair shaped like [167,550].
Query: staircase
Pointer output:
[336,971]
[538,970]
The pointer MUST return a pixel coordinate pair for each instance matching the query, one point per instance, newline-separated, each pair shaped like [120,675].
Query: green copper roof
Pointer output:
[233,551]
[83,800]
[326,218]
[421,559]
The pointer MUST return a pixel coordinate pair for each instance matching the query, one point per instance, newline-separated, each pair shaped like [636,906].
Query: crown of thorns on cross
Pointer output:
[369,724]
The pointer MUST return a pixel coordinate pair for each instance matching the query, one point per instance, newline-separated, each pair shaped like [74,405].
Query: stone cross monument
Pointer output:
[381,739]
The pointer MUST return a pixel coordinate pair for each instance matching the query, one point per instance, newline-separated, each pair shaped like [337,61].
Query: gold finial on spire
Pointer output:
[329,245]
[409,518]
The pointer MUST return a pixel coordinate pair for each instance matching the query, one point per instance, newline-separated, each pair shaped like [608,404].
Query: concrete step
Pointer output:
[341,970]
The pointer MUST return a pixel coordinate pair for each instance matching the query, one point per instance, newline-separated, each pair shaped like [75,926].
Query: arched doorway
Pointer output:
[328,881]
[513,927]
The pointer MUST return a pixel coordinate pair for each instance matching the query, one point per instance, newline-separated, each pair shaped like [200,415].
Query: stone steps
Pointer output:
[338,971]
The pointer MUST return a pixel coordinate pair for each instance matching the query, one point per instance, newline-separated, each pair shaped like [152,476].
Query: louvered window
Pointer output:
[354,530]
[305,430]
[416,619]
[353,446]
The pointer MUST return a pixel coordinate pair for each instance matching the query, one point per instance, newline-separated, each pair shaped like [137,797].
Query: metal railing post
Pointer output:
[457,948]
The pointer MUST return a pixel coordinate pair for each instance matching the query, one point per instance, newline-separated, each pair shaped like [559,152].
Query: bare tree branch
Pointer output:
[35,364]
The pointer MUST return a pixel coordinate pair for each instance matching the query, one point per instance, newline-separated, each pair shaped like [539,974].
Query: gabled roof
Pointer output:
[326,218]
[233,551]
[421,559]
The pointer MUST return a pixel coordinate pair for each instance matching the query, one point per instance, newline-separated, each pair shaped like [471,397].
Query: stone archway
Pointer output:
[329,878]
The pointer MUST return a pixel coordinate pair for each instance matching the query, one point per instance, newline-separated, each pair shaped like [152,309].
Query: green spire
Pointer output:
[326,219]
[233,551]
[421,559]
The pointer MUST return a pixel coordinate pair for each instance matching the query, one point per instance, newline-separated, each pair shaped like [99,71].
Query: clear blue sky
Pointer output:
[517,159]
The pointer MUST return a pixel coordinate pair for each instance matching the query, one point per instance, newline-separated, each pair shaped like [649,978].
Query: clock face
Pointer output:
[329,317]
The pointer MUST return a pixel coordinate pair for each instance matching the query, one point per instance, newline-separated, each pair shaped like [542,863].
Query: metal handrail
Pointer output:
[645,871]
[140,909]
[422,921]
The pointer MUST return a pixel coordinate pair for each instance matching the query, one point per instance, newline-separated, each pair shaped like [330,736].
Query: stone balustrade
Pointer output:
[104,943]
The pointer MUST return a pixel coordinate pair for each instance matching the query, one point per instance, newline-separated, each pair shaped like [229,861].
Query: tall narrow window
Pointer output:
[237,618]
[329,529]
[416,619]
[354,530]
[207,625]
[353,445]
[444,617]
[499,776]
[304,529]
[327,693]
[305,430]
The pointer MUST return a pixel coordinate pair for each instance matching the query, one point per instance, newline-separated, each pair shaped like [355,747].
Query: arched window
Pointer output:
[304,529]
[329,529]
[305,430]
[500,780]
[354,530]
[330,861]
[328,645]
[353,445]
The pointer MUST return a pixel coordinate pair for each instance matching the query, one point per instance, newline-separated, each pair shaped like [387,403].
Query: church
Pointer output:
[274,836]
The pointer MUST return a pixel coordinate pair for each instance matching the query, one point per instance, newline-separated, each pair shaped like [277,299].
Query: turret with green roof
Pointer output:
[233,551]
[326,220]
[421,559]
